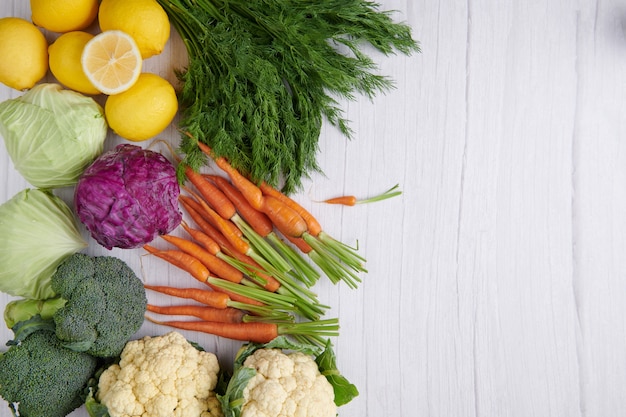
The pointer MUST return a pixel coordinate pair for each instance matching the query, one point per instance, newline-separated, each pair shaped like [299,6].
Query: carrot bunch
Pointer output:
[340,262]
[248,244]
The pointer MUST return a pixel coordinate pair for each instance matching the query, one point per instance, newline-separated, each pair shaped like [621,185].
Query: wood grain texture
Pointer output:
[497,281]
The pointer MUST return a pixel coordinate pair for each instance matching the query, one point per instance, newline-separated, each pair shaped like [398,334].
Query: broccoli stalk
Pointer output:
[100,305]
[41,378]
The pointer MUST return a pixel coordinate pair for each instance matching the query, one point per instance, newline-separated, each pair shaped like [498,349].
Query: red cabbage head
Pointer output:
[127,197]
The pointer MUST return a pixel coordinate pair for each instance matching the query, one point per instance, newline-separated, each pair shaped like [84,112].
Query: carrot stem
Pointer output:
[256,293]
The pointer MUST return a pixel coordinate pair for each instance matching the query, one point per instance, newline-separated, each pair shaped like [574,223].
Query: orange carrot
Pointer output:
[205,240]
[195,211]
[212,216]
[231,232]
[350,200]
[345,200]
[222,315]
[211,193]
[256,332]
[207,297]
[313,226]
[284,217]
[257,219]
[252,193]
[299,243]
[217,266]
[183,261]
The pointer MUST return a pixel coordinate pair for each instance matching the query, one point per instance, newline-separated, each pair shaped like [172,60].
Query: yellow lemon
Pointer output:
[144,110]
[111,61]
[64,15]
[65,61]
[144,20]
[23,52]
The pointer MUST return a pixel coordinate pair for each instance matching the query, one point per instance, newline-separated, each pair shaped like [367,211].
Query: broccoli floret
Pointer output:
[41,378]
[105,304]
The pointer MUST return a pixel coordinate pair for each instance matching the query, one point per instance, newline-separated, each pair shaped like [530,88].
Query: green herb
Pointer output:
[263,75]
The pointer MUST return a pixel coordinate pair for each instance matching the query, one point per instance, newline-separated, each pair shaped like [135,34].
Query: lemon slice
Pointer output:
[112,61]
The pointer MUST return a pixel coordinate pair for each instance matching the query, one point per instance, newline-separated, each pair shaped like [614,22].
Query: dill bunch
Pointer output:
[263,75]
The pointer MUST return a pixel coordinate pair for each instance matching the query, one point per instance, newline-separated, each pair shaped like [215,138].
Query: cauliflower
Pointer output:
[163,376]
[285,379]
[286,385]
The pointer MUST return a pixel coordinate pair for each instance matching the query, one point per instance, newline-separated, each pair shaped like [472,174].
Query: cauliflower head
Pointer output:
[161,376]
[286,385]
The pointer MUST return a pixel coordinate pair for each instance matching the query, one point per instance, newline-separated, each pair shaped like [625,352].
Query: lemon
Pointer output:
[144,20]
[144,110]
[24,52]
[64,15]
[111,61]
[65,54]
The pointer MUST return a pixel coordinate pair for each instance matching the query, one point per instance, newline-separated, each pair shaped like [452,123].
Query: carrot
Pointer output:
[345,200]
[350,200]
[222,315]
[217,266]
[256,332]
[195,211]
[211,193]
[208,297]
[257,219]
[252,193]
[224,225]
[205,240]
[300,244]
[183,261]
[284,217]
[313,226]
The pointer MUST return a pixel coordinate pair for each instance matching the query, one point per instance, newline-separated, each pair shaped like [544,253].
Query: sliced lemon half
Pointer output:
[112,62]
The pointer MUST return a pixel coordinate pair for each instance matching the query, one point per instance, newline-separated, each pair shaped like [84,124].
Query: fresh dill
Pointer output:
[263,75]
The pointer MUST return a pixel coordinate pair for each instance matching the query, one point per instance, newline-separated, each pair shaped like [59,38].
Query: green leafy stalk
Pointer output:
[344,390]
[263,76]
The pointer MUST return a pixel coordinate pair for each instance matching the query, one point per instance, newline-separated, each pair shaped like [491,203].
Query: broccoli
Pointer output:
[104,304]
[41,378]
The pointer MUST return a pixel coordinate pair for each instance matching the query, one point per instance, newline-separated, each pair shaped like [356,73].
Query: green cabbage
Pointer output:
[52,134]
[38,232]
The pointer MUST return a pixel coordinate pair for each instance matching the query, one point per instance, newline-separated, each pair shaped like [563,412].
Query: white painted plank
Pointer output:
[599,280]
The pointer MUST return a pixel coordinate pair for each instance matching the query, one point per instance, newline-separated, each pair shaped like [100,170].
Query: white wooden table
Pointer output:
[497,281]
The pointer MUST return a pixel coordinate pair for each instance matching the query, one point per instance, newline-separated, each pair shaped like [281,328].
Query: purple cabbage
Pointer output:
[127,197]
